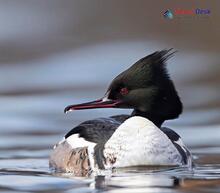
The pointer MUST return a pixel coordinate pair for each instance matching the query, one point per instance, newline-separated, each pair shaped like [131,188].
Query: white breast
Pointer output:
[139,142]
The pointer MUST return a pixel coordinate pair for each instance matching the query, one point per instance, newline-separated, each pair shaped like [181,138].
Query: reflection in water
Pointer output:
[128,180]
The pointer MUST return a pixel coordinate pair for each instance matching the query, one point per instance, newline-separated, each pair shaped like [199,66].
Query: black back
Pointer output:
[98,131]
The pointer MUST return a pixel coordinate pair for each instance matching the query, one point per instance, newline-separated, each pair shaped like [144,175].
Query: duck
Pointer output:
[124,140]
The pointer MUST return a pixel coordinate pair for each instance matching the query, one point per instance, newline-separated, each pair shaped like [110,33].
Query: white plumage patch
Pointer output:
[139,142]
[75,141]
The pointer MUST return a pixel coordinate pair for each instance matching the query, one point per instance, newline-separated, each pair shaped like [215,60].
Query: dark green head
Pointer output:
[145,87]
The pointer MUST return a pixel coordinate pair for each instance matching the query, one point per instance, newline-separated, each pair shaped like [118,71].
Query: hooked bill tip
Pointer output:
[67,109]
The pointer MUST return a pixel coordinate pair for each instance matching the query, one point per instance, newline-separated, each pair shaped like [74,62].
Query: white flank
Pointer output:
[139,142]
[75,142]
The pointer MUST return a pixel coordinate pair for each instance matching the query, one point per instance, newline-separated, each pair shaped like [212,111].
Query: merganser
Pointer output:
[127,140]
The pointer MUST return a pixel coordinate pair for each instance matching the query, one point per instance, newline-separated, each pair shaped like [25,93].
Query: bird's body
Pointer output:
[127,140]
[118,141]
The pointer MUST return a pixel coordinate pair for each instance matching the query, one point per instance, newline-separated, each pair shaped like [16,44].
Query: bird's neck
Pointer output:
[155,119]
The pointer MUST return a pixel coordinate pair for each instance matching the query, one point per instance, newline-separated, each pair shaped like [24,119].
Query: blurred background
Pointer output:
[54,53]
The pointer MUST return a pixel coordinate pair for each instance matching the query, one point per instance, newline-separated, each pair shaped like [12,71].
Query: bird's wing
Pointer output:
[172,135]
[96,130]
[120,118]
[177,141]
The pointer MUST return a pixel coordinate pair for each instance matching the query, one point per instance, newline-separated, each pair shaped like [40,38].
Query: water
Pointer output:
[34,93]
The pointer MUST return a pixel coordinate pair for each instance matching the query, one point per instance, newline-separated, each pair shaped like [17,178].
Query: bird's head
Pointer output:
[145,87]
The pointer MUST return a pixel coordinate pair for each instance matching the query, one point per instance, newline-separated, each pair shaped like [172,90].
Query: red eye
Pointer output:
[124,91]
